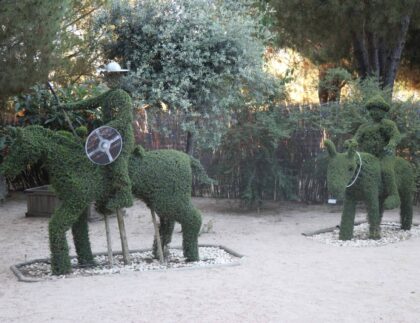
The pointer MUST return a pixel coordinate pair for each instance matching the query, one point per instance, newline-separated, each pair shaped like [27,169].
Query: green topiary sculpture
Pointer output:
[116,108]
[380,137]
[161,178]
[355,176]
[370,176]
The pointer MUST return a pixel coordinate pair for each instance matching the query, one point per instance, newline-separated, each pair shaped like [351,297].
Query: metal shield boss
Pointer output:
[104,145]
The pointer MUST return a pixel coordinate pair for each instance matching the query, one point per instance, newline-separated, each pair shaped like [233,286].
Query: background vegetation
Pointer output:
[205,72]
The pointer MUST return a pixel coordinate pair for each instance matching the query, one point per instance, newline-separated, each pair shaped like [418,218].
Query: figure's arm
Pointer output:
[360,131]
[394,137]
[354,142]
[91,103]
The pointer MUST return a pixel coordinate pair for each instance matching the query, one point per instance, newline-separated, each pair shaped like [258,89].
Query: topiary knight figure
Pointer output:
[117,112]
[380,138]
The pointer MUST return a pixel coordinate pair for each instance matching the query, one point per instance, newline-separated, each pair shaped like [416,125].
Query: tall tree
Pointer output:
[369,34]
[195,56]
[78,46]
[28,37]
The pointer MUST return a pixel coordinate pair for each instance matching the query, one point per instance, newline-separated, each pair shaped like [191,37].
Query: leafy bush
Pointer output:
[278,152]
[248,157]
[39,106]
[200,57]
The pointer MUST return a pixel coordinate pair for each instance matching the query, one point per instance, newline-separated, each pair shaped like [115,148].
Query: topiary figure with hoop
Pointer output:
[374,175]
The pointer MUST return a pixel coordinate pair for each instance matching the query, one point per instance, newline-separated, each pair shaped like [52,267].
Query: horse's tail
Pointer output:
[199,172]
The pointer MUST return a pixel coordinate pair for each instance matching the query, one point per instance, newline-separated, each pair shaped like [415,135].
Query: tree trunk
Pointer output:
[360,53]
[376,57]
[394,58]
[189,149]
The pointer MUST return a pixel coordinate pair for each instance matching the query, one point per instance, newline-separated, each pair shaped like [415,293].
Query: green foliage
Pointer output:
[160,178]
[65,161]
[28,42]
[331,84]
[39,107]
[200,57]
[117,112]
[377,102]
[368,188]
[248,154]
[243,165]
[78,48]
[407,117]
[340,120]
[380,137]
[370,34]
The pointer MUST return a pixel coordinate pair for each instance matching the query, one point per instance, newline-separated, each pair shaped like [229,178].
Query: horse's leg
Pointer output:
[61,221]
[381,210]
[80,232]
[191,224]
[374,215]
[347,219]
[166,228]
[406,209]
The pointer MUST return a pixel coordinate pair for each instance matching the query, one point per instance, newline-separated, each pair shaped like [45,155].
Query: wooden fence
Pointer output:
[301,154]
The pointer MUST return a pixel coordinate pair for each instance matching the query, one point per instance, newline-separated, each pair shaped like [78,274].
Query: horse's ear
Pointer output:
[351,146]
[330,148]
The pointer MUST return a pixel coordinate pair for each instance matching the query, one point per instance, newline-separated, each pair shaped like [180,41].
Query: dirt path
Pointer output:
[284,276]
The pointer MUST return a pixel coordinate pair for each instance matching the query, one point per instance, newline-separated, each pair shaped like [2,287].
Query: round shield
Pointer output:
[104,145]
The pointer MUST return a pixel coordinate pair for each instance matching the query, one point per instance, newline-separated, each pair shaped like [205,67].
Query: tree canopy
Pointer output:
[28,37]
[368,35]
[195,56]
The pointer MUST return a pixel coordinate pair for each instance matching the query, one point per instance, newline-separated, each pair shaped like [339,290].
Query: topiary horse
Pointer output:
[355,176]
[160,178]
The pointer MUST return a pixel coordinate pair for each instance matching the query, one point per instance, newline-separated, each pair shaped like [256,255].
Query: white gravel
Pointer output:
[140,261]
[390,233]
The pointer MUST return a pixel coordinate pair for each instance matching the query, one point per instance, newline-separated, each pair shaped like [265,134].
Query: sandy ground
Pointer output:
[284,277]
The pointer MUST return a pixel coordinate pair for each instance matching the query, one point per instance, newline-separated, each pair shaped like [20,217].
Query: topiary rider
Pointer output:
[380,138]
[117,112]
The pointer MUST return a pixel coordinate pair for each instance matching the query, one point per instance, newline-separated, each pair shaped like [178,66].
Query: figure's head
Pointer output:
[113,75]
[26,148]
[377,107]
[341,168]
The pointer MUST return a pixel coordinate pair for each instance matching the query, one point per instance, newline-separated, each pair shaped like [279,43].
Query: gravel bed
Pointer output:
[140,261]
[390,233]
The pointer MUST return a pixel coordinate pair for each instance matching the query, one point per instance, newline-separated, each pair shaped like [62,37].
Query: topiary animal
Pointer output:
[162,179]
[354,176]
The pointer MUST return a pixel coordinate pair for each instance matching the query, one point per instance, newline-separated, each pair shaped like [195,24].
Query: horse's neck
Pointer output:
[368,162]
[49,145]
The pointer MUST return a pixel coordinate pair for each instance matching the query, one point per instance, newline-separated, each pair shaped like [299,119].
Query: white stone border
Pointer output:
[22,278]
[331,229]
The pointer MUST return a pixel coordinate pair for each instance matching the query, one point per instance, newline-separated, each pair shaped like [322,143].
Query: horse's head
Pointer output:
[341,169]
[26,147]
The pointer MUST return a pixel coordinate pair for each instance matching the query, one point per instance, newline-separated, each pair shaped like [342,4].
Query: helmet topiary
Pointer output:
[377,102]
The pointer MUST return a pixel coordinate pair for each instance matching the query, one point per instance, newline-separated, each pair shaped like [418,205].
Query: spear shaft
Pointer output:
[62,109]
